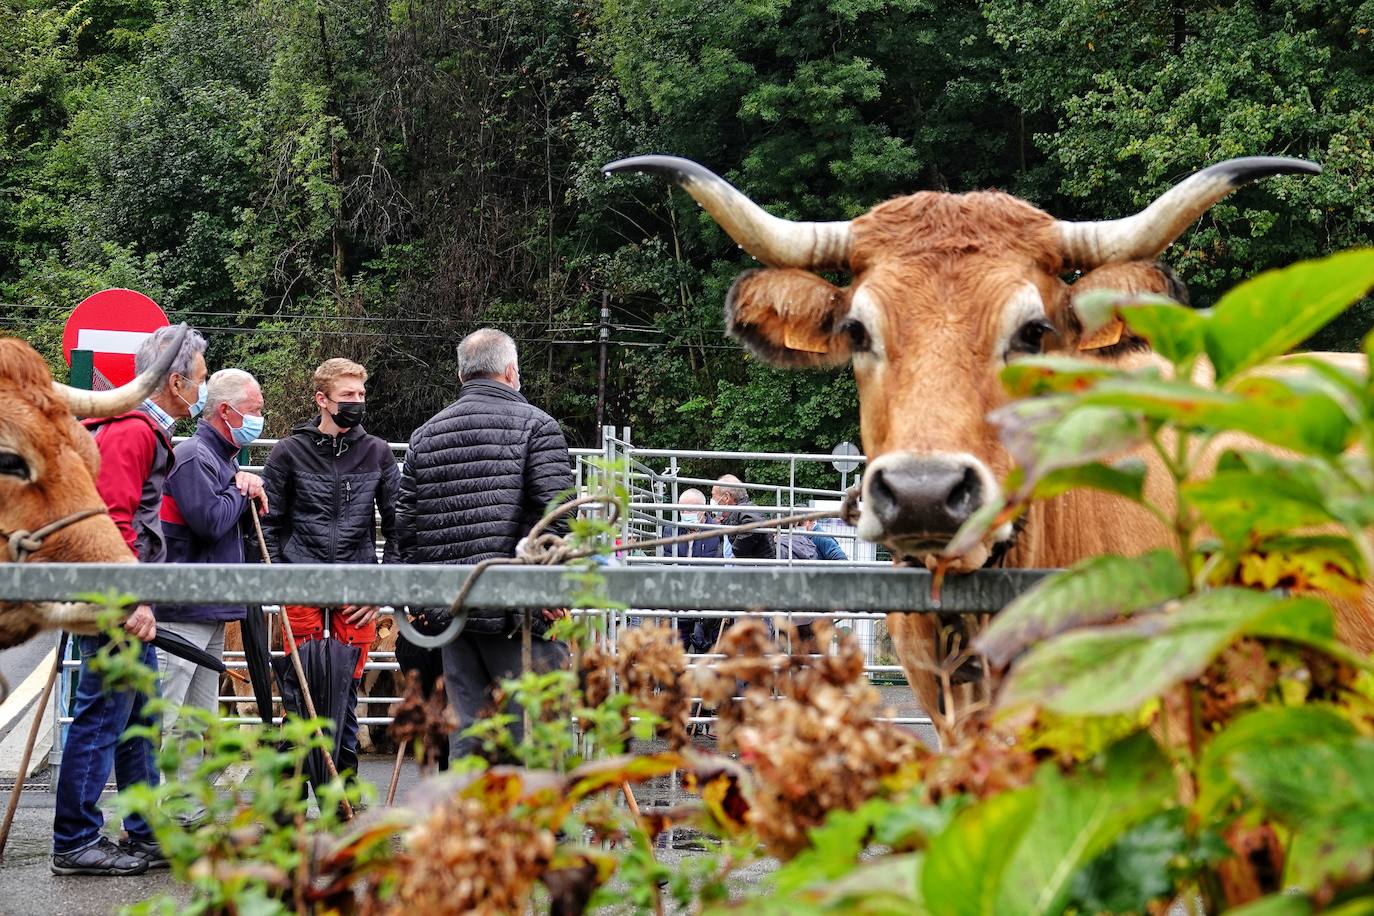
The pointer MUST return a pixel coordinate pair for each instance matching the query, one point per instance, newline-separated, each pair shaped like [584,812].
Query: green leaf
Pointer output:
[1095,590]
[1098,308]
[1033,376]
[1324,791]
[1275,905]
[1176,332]
[1123,478]
[1260,731]
[1243,507]
[1279,309]
[835,847]
[1114,669]
[915,821]
[1078,818]
[1284,412]
[1045,435]
[890,886]
[964,865]
[1135,870]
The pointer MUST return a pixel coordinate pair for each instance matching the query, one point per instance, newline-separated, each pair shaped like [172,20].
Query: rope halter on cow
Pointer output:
[23,544]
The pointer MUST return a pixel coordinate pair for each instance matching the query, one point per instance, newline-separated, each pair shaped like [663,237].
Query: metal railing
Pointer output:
[650,591]
[856,593]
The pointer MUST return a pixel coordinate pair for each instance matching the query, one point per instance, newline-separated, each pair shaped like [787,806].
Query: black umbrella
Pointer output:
[176,645]
[257,653]
[328,665]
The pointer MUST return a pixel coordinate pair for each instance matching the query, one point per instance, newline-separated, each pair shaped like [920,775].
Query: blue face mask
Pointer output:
[199,405]
[250,430]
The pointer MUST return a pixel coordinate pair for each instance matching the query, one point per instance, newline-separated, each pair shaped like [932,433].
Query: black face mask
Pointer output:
[350,414]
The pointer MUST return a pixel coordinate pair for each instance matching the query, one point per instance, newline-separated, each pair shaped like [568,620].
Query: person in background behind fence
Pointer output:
[327,483]
[759,544]
[202,510]
[698,634]
[827,548]
[478,476]
[135,456]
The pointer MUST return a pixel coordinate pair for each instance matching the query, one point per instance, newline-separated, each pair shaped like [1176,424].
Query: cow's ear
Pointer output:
[788,317]
[1127,277]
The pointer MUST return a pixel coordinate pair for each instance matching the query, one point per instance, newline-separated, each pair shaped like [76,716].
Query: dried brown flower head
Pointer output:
[806,726]
[428,720]
[471,856]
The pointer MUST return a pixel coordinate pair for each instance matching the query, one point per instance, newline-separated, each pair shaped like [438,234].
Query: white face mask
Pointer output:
[691,518]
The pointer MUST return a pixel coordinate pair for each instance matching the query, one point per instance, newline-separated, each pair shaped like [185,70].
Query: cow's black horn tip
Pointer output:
[1253,168]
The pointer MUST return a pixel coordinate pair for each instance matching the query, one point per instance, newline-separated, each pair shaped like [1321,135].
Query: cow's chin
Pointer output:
[932,558]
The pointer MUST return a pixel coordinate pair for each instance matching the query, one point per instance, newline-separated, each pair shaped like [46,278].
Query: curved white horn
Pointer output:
[117,400]
[1149,232]
[774,241]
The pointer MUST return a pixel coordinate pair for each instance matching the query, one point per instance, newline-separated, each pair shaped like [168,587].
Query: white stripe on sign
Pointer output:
[110,341]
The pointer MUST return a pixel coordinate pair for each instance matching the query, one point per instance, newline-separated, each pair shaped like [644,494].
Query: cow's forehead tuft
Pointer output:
[934,223]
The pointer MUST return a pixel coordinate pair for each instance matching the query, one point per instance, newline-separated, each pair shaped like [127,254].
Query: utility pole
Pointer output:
[603,345]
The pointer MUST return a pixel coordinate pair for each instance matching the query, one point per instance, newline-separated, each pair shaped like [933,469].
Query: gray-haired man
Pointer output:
[135,456]
[477,477]
[207,499]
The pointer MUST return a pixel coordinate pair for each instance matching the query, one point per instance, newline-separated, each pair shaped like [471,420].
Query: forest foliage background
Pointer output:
[374,178]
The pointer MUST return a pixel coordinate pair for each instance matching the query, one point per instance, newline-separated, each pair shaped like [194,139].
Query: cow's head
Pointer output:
[48,464]
[945,290]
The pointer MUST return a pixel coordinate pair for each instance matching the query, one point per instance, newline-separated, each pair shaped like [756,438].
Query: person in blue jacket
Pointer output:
[204,503]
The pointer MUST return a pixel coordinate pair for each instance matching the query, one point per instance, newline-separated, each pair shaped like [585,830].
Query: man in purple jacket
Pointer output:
[205,501]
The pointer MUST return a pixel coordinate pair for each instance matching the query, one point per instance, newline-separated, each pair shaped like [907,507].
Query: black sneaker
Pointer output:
[147,850]
[102,858]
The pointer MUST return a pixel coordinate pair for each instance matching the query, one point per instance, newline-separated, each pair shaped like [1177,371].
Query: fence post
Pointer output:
[81,374]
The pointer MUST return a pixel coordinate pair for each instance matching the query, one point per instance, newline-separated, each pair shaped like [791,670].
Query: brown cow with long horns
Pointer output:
[945,290]
[48,465]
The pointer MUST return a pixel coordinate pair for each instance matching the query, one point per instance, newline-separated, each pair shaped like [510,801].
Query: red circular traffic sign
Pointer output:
[112,323]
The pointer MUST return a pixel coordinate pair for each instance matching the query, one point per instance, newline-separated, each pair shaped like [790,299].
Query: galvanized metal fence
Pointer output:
[856,593]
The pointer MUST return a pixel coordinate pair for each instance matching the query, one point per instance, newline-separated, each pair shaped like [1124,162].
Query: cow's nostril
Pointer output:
[963,499]
[881,494]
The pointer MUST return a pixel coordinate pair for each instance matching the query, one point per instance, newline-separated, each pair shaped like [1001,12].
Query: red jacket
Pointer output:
[135,456]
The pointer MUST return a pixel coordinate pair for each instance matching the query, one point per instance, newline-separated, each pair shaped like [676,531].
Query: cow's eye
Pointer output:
[854,330]
[1030,337]
[12,465]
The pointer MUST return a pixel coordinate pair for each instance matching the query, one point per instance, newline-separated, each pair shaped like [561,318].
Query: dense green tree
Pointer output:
[375,179]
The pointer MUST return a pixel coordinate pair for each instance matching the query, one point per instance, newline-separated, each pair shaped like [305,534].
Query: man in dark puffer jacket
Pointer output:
[478,476]
[327,483]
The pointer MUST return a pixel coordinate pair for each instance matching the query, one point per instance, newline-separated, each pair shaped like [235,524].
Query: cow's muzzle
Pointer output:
[916,503]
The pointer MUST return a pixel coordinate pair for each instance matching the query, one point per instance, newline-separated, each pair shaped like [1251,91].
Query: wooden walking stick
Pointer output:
[28,745]
[300,671]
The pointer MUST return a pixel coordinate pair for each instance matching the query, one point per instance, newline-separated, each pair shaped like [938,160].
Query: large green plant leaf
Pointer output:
[1281,411]
[1174,331]
[1135,871]
[1111,670]
[1092,591]
[1245,506]
[964,866]
[1277,310]
[1260,731]
[1033,376]
[1123,478]
[1045,435]
[1078,818]
[1324,790]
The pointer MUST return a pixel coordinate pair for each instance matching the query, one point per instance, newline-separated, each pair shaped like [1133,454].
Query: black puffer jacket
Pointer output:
[322,491]
[479,474]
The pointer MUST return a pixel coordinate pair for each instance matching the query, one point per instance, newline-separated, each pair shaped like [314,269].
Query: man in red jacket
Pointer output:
[135,455]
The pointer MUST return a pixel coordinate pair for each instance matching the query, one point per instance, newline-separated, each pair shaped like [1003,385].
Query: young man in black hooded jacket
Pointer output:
[327,483]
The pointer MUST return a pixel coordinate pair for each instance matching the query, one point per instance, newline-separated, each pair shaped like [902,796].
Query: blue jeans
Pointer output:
[94,747]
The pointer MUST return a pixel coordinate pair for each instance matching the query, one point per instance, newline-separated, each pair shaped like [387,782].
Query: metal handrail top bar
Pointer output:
[668,587]
[640,452]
